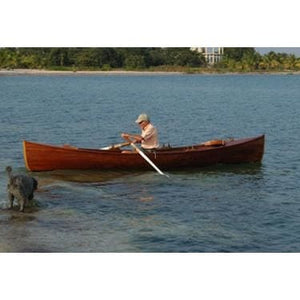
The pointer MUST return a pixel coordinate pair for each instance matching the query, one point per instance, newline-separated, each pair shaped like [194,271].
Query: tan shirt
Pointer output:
[150,137]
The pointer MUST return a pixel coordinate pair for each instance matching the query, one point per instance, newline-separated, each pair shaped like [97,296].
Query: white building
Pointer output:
[211,54]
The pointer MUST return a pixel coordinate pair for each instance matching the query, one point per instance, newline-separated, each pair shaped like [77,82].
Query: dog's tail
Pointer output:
[8,171]
[35,183]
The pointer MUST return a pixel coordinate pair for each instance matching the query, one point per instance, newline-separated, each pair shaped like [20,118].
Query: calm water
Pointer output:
[240,208]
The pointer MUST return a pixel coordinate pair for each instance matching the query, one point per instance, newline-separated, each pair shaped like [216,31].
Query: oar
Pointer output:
[143,155]
[116,146]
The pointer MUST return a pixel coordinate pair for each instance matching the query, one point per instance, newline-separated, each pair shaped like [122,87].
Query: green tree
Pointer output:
[134,61]
[238,53]
[58,57]
[8,58]
[290,62]
[250,61]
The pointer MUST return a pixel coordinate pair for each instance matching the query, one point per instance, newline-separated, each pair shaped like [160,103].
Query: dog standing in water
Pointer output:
[20,187]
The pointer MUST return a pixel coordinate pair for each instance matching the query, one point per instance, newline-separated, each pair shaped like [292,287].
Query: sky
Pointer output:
[133,23]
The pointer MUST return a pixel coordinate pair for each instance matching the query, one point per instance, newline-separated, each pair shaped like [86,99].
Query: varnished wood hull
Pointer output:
[42,157]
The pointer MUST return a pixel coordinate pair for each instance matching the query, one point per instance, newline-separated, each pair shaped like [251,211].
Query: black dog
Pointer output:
[20,187]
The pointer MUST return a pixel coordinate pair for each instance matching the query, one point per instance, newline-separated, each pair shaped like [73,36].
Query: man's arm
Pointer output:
[128,137]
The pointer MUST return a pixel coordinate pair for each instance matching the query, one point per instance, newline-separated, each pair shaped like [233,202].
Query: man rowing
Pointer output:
[148,137]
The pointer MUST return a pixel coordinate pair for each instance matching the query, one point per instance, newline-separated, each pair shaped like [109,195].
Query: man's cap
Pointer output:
[142,117]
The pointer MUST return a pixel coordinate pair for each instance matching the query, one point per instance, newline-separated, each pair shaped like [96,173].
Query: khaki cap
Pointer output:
[142,117]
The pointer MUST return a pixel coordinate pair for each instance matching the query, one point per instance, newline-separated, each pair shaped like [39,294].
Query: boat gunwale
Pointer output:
[175,150]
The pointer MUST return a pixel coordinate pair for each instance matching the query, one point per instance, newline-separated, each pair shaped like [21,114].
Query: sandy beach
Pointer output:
[50,72]
[6,72]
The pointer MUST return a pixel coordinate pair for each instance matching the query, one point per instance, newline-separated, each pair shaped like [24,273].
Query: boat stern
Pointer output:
[25,155]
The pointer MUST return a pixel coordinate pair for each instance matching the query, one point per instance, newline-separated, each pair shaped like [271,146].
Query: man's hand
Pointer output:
[125,135]
[131,138]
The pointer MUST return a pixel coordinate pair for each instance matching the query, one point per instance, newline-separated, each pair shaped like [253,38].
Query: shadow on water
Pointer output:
[97,176]
[100,176]
[79,176]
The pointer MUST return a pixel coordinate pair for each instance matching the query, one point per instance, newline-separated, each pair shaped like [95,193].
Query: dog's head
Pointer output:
[35,183]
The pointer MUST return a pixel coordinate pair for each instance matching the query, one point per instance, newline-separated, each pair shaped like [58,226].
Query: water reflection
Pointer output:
[81,176]
[98,176]
[238,169]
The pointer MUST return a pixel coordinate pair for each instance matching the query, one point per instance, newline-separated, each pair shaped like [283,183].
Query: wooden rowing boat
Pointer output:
[42,157]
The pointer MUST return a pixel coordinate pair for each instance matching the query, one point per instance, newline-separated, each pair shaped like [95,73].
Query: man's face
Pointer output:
[143,124]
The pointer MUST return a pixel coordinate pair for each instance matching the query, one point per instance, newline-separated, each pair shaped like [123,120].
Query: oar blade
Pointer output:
[141,153]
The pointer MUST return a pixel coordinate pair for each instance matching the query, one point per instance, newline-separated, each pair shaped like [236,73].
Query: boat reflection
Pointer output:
[80,176]
[238,169]
[96,176]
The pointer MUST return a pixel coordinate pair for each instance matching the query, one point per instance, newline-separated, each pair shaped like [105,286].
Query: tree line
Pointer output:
[248,60]
[184,59]
[98,58]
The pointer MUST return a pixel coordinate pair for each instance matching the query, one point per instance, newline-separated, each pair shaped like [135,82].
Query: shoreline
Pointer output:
[74,73]
[16,72]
